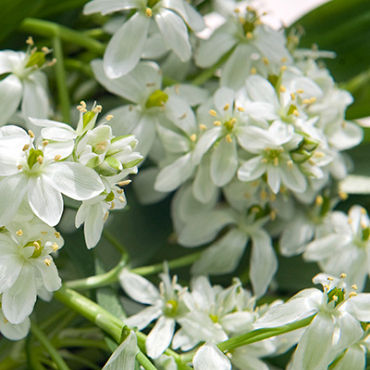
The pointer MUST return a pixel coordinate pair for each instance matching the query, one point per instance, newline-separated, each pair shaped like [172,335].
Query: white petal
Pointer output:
[74,180]
[10,267]
[350,331]
[205,143]
[201,230]
[109,6]
[125,47]
[293,178]
[222,256]
[124,356]
[315,349]
[173,175]
[263,263]
[144,317]
[172,141]
[18,301]
[35,102]
[358,307]
[193,95]
[49,273]
[46,201]
[203,187]
[145,133]
[138,288]
[354,359]
[180,113]
[14,332]
[260,90]
[10,96]
[209,357]
[160,337]
[252,169]
[12,190]
[94,224]
[174,33]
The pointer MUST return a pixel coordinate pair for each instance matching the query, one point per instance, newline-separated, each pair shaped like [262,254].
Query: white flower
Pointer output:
[27,269]
[344,245]
[127,44]
[166,305]
[25,83]
[336,324]
[40,174]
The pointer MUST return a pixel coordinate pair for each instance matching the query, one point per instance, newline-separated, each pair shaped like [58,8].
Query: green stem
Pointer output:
[209,73]
[357,82]
[49,29]
[98,281]
[176,263]
[145,362]
[261,334]
[92,311]
[115,243]
[54,354]
[80,342]
[62,80]
[79,66]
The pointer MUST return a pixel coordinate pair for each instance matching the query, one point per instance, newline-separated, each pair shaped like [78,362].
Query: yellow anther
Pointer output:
[30,132]
[236,10]
[177,89]
[343,275]
[240,109]
[335,298]
[217,123]
[249,35]
[19,167]
[193,137]
[342,195]
[289,164]
[98,109]
[30,41]
[255,183]
[265,61]
[264,160]
[57,235]
[212,112]
[312,100]
[52,62]
[306,101]
[183,116]
[283,68]
[263,195]
[300,91]
[55,247]
[352,294]
[57,157]
[228,138]
[203,126]
[319,200]
[326,287]
[47,261]
[19,232]
[354,286]
[363,210]
[272,197]
[119,191]
[232,121]
[148,12]
[109,117]
[226,106]
[37,246]
[258,22]
[45,50]
[83,104]
[292,95]
[296,113]
[284,59]
[253,71]
[124,183]
[282,89]
[5,321]
[311,162]
[343,125]
[273,215]
[26,147]
[45,143]
[122,199]
[276,161]
[319,154]
[44,232]
[106,216]
[40,159]
[112,206]
[330,278]
[250,9]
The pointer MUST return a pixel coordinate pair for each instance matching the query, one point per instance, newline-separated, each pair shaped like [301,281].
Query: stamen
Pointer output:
[296,113]
[249,35]
[352,294]
[26,147]
[57,234]
[226,106]
[44,232]
[265,61]
[123,183]
[213,113]
[253,71]
[19,167]
[148,12]
[106,216]
[40,159]
[282,89]
[55,247]
[284,59]
[228,138]
[217,123]
[193,137]
[30,132]
[121,199]
[289,164]
[109,117]
[240,109]
[276,161]
[292,95]
[283,68]
[45,143]
[202,126]
[19,232]
[343,275]
[30,41]
[300,91]
[354,286]
[183,116]
[98,109]
[119,191]
[342,195]
[112,206]
[319,200]
[47,261]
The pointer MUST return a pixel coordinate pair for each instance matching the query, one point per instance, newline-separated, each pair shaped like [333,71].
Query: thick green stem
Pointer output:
[54,354]
[62,80]
[49,29]
[176,263]
[145,362]
[98,281]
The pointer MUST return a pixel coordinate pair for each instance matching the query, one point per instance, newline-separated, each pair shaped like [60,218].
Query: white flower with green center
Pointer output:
[225,253]
[253,47]
[25,82]
[166,305]
[336,324]
[126,46]
[26,266]
[151,106]
[344,245]
[41,175]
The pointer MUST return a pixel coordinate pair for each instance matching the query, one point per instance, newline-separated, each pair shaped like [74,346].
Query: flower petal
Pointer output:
[209,357]
[11,93]
[160,337]
[125,47]
[109,6]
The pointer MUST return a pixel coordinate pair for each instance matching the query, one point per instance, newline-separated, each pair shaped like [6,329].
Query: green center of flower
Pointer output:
[34,156]
[157,99]
[37,248]
[229,125]
[87,117]
[37,59]
[171,307]
[336,295]
[214,318]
